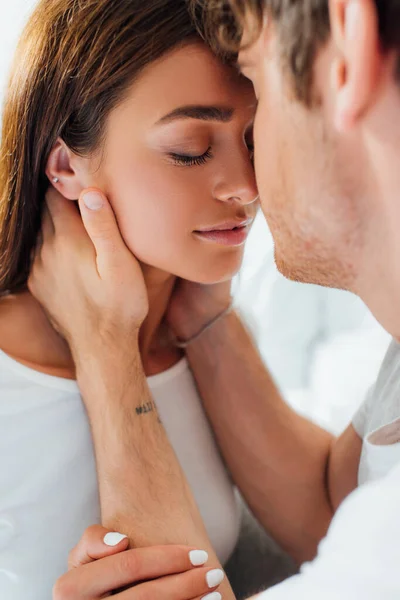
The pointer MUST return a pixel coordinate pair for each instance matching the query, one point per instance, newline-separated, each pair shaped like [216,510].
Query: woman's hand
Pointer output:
[100,565]
[84,276]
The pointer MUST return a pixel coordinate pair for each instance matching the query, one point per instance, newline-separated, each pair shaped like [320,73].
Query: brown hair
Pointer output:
[75,62]
[303,28]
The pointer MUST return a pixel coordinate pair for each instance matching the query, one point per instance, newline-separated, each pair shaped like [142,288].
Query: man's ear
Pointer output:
[357,68]
[65,171]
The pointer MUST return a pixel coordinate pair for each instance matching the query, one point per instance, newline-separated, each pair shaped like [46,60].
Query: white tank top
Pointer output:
[48,484]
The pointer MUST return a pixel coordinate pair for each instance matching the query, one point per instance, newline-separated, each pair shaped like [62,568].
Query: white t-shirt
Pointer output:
[360,557]
[48,484]
[377,421]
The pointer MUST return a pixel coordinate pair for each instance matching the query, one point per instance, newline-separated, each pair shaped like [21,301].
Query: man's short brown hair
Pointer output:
[303,28]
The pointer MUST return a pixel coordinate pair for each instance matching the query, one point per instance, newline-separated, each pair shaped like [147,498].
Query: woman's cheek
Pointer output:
[156,208]
[153,229]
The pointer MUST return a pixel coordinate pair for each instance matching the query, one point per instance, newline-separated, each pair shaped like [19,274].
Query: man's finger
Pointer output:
[102,228]
[64,213]
[97,542]
[47,231]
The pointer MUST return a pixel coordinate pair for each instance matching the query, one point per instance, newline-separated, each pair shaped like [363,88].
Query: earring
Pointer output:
[55,180]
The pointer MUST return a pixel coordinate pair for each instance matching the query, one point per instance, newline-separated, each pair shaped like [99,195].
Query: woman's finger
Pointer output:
[97,542]
[47,230]
[198,583]
[92,581]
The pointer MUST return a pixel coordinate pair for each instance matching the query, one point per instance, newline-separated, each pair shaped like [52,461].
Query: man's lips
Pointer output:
[229,233]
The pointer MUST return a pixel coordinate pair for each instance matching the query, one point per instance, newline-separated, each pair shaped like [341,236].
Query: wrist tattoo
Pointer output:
[145,408]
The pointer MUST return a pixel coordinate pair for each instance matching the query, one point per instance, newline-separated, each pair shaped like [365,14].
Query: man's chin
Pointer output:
[311,271]
[292,272]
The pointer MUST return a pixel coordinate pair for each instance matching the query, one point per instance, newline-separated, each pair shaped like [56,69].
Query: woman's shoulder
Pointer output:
[28,338]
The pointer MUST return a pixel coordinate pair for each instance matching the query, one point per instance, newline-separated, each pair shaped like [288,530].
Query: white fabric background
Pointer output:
[322,345]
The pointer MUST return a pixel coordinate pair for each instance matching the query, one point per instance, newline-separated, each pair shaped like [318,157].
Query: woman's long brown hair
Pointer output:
[75,62]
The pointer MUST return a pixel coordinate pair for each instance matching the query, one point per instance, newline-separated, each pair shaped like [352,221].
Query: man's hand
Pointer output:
[84,275]
[100,565]
[93,288]
[193,305]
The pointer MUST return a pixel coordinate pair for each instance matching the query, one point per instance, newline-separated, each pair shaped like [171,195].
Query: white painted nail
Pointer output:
[214,577]
[113,538]
[212,596]
[198,557]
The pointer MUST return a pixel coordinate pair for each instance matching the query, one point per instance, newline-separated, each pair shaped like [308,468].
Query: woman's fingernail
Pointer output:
[212,596]
[93,200]
[198,557]
[214,577]
[113,538]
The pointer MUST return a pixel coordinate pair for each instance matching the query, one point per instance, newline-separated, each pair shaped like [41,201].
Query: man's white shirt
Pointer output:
[360,557]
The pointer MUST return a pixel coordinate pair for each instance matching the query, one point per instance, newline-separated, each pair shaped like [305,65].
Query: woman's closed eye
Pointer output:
[188,160]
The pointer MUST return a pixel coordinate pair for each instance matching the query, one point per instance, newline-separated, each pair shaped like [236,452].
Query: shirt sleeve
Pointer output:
[360,557]
[391,364]
[359,421]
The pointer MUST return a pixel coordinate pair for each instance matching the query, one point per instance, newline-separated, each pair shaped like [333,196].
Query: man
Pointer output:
[327,140]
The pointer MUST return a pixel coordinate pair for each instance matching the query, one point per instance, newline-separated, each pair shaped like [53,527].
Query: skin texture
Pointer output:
[156,197]
[343,230]
[315,222]
[153,195]
[102,307]
[328,185]
[327,176]
[159,570]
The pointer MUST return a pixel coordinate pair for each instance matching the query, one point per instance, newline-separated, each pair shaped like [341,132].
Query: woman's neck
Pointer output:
[153,338]
[27,335]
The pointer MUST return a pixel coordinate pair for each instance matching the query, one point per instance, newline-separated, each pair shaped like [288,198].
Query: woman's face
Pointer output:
[177,166]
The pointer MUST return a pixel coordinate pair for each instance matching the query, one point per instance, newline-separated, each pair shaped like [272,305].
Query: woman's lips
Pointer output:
[226,237]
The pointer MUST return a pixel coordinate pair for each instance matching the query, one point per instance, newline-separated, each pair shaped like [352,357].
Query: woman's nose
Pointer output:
[238,184]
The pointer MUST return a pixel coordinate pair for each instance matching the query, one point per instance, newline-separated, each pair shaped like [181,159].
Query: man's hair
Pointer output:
[302,25]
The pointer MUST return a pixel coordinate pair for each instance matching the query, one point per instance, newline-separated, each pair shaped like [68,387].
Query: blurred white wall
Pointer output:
[322,345]
[13,14]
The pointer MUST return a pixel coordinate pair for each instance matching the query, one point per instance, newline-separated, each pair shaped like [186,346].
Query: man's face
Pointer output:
[307,176]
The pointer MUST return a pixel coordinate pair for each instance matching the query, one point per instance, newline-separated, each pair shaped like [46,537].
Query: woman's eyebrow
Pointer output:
[202,113]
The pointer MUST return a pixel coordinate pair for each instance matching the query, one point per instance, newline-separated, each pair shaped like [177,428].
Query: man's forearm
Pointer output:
[143,491]
[277,458]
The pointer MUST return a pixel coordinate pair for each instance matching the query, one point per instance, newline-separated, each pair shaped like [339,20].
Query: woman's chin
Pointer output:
[213,275]
[207,271]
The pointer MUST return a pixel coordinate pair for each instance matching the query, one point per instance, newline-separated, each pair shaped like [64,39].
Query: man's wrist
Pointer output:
[195,319]
[109,369]
[185,342]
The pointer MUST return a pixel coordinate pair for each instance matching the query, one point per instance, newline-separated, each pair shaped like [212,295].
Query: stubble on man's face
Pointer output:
[308,205]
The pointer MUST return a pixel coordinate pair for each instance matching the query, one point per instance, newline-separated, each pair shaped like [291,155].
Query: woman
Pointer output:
[123,96]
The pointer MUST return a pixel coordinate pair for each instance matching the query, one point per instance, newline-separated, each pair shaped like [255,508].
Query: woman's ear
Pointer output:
[66,171]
